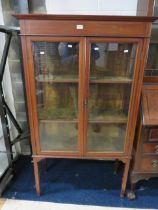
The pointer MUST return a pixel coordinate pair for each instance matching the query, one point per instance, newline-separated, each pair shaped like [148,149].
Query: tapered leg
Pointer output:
[124,179]
[37,176]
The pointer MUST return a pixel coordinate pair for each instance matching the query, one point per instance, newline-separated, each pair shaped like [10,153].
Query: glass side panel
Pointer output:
[155,13]
[110,82]
[151,69]
[56,76]
[152,62]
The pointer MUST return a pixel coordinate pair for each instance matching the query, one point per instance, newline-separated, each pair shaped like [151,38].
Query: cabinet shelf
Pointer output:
[148,69]
[58,121]
[56,79]
[65,79]
[111,80]
[113,118]
[119,121]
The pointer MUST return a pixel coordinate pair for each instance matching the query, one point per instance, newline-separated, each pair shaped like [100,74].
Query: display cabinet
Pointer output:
[83,79]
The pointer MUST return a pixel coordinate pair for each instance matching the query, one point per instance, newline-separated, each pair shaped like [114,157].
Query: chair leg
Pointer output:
[37,176]
[124,179]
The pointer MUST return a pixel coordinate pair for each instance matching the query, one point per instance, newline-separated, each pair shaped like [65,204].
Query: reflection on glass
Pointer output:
[56,77]
[112,61]
[111,75]
[55,61]
[106,138]
[3,155]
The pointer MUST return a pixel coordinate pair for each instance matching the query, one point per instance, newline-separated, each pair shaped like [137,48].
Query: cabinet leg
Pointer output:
[37,176]
[124,179]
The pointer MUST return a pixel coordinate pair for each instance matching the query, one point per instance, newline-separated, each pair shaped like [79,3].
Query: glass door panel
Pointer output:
[57,82]
[110,82]
[112,62]
[106,137]
[109,102]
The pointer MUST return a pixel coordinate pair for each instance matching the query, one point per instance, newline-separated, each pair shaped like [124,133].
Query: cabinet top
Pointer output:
[85,17]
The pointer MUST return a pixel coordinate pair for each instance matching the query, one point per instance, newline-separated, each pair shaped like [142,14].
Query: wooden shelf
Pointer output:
[147,69]
[123,80]
[58,121]
[56,79]
[60,79]
[119,121]
[123,121]
[109,118]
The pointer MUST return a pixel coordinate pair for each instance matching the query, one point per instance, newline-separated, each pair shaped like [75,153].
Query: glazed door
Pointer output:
[57,75]
[111,70]
[85,90]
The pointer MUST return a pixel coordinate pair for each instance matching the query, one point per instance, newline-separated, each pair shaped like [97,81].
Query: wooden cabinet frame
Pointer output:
[95,29]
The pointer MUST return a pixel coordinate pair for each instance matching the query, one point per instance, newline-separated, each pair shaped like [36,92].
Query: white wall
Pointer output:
[98,7]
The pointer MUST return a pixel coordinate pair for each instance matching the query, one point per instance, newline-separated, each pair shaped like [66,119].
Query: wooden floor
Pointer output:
[2,201]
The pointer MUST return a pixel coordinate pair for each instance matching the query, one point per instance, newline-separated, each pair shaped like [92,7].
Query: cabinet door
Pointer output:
[57,83]
[111,73]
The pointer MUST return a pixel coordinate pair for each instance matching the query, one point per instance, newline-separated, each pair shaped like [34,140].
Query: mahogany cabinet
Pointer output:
[145,155]
[83,78]
[145,161]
